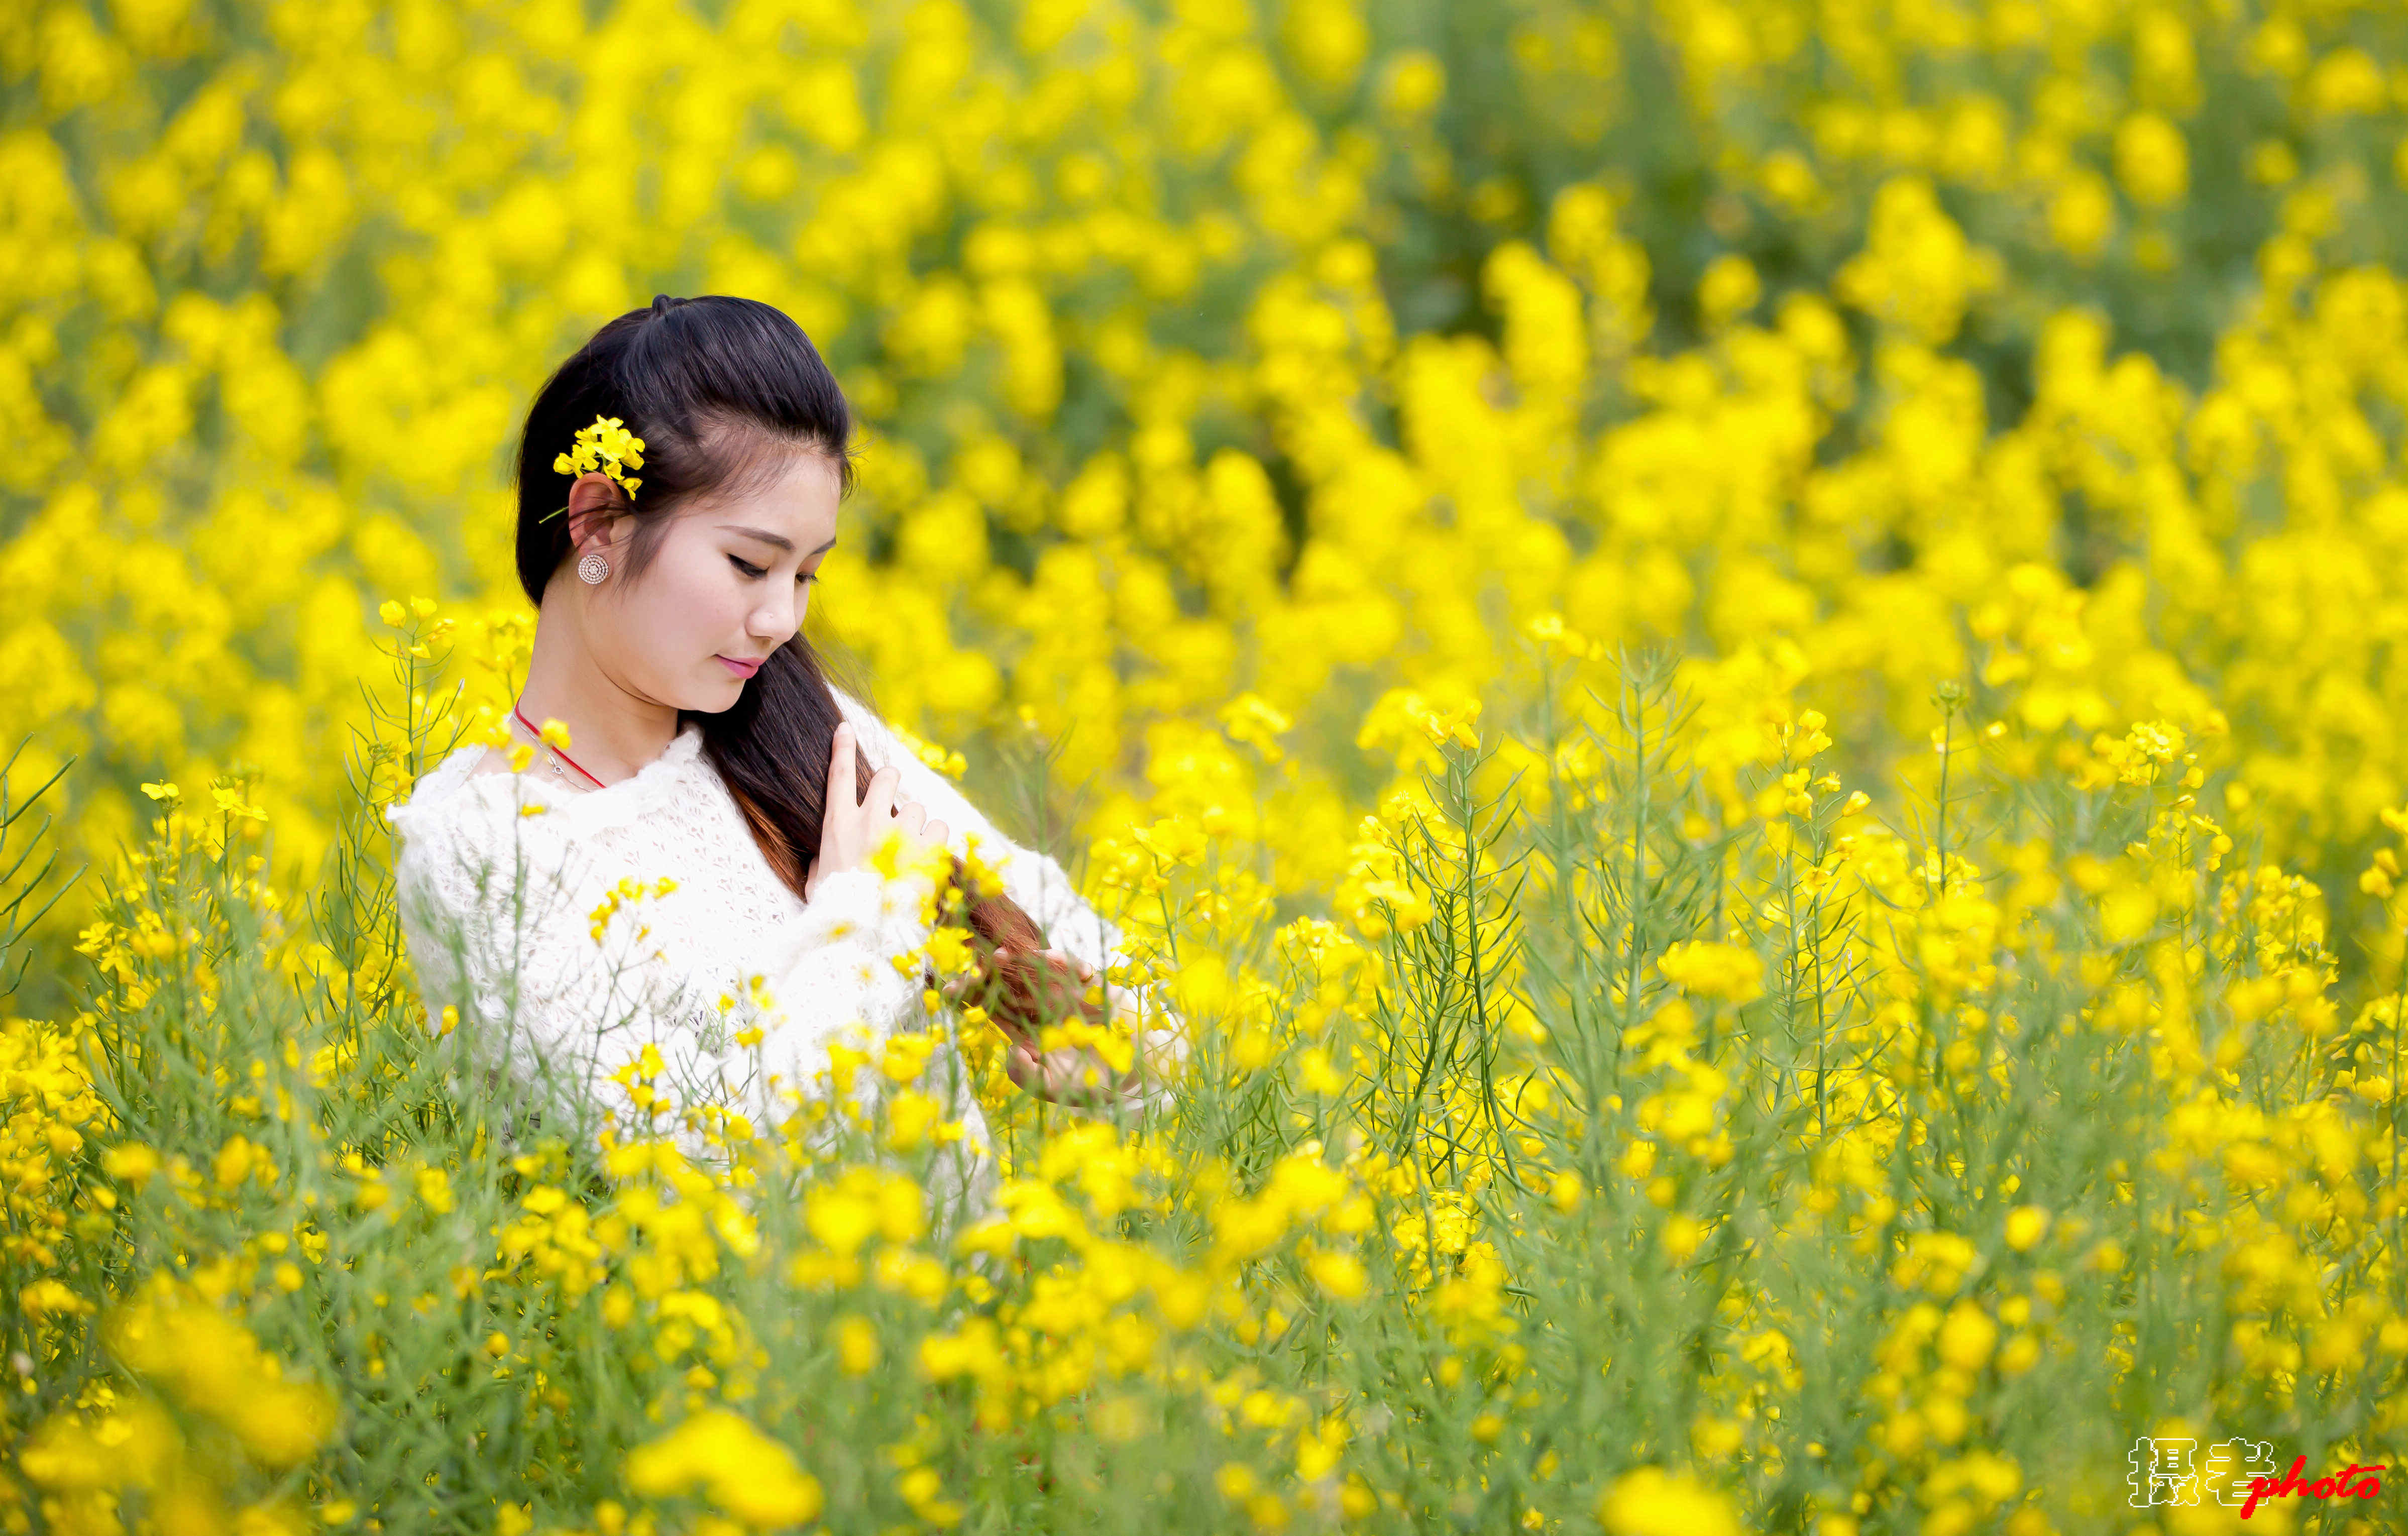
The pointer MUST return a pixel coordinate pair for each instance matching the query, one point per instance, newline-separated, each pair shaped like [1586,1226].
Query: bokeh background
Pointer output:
[1303,348]
[1287,422]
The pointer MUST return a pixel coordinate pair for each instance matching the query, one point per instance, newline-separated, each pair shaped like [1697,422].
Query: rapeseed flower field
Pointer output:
[1740,660]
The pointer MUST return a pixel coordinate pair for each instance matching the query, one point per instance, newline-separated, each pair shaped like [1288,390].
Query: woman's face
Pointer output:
[728,585]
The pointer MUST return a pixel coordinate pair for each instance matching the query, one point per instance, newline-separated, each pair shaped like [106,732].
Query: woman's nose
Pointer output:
[777,618]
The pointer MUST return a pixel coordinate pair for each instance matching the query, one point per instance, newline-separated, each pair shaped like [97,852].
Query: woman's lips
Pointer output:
[741,668]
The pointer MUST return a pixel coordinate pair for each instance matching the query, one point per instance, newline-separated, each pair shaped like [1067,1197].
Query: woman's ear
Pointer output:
[593,508]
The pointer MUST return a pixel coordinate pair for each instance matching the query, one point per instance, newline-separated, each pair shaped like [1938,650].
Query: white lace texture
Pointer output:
[497,903]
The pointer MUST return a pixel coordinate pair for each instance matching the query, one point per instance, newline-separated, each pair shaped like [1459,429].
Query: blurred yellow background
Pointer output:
[1266,403]
[1303,348]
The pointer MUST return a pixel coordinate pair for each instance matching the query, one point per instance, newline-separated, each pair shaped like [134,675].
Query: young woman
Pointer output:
[707,750]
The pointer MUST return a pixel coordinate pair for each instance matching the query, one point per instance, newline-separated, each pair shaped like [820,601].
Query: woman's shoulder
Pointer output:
[487,761]
[472,785]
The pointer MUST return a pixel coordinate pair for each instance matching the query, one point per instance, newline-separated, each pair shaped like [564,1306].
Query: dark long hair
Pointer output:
[724,390]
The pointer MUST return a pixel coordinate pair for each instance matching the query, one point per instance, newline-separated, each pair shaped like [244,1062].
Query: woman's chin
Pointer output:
[716,697]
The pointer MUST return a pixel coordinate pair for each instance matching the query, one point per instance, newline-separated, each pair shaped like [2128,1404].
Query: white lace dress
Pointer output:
[498,903]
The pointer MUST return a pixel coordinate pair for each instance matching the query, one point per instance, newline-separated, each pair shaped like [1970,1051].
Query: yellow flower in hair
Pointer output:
[606,446]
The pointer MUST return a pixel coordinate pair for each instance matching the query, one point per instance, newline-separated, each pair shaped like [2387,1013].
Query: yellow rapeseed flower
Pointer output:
[606,446]
[1652,1501]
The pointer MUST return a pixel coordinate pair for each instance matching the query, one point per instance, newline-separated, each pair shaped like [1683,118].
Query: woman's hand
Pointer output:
[852,823]
[1069,1074]
[956,988]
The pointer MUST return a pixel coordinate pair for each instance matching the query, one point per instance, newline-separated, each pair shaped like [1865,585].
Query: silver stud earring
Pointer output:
[592,568]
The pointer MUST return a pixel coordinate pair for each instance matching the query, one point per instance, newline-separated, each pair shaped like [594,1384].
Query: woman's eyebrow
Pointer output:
[767,537]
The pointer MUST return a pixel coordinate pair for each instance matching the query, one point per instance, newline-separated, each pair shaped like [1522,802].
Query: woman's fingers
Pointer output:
[880,805]
[836,842]
[857,814]
[841,790]
[1076,1076]
[1083,1077]
[1070,1075]
[1021,1065]
[913,818]
[1120,1003]
[1085,971]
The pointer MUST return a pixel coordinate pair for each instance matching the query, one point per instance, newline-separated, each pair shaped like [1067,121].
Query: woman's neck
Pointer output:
[613,734]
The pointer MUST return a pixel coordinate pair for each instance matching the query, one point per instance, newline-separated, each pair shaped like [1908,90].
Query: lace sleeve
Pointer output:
[837,971]
[838,967]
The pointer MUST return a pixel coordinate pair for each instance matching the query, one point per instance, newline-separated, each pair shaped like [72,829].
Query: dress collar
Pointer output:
[612,805]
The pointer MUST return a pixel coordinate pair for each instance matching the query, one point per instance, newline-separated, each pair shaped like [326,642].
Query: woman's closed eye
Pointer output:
[754,572]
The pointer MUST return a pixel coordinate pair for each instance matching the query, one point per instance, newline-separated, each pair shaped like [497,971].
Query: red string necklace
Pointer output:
[554,751]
